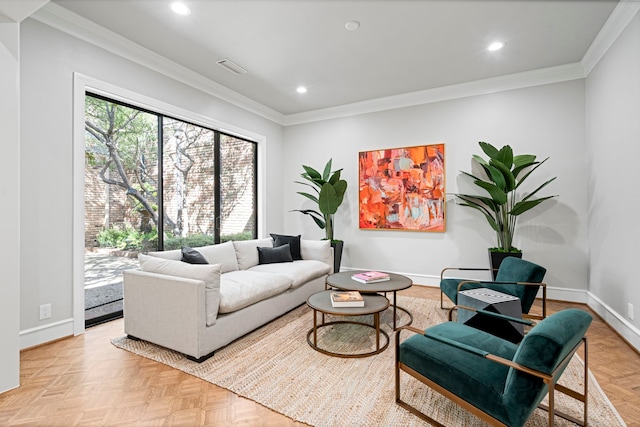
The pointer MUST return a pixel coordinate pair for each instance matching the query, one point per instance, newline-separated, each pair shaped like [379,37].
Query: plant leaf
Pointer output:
[490,219]
[313,174]
[495,169]
[537,165]
[328,201]
[505,155]
[341,189]
[308,185]
[524,205]
[538,189]
[319,219]
[327,170]
[496,193]
[335,177]
[508,179]
[309,196]
[489,149]
[486,202]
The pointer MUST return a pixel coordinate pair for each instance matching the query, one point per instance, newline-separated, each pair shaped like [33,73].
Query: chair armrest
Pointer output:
[463,269]
[490,282]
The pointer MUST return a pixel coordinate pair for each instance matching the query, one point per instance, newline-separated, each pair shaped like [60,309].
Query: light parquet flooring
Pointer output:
[86,381]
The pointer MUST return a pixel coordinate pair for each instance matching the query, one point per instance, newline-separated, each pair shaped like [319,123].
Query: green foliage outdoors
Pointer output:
[197,240]
[130,239]
[328,195]
[503,175]
[193,241]
[244,235]
[127,238]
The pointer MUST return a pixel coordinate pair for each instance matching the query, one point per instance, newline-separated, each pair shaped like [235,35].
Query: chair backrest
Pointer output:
[542,349]
[514,269]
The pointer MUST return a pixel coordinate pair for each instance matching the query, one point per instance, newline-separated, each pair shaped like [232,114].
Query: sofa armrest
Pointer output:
[165,310]
[319,250]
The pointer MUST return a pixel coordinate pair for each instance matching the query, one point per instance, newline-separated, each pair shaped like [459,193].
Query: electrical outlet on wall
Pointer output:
[630,311]
[45,311]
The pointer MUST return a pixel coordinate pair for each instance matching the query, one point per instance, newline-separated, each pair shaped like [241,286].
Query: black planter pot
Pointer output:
[337,255]
[496,259]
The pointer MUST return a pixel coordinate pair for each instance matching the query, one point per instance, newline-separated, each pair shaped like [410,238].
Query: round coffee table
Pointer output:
[396,282]
[373,304]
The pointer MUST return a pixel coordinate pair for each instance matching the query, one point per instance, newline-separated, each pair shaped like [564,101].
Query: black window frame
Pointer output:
[217,146]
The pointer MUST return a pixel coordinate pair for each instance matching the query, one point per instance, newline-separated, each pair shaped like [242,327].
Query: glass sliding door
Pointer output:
[188,177]
[153,182]
[121,187]
[237,189]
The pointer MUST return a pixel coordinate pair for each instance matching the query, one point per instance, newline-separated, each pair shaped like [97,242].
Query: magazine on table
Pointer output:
[347,299]
[371,277]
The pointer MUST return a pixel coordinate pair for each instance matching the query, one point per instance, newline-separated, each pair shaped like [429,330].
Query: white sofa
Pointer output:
[196,309]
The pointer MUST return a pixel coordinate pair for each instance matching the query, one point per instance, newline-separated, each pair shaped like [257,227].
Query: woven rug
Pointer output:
[276,367]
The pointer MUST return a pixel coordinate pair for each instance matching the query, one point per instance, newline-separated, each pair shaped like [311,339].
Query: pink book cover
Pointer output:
[370,275]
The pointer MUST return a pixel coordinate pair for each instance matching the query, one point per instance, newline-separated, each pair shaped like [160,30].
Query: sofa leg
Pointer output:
[201,359]
[131,337]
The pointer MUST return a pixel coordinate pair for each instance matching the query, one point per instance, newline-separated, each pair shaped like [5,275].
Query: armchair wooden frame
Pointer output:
[551,381]
[525,315]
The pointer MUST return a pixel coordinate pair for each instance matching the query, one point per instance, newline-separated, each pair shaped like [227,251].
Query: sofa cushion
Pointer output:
[223,253]
[208,273]
[247,251]
[293,241]
[239,289]
[192,256]
[300,272]
[274,255]
[317,249]
[174,254]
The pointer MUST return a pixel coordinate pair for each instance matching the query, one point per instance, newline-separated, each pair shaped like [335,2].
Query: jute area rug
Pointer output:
[276,367]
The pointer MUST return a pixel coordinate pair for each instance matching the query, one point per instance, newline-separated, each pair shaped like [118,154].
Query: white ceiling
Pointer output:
[401,46]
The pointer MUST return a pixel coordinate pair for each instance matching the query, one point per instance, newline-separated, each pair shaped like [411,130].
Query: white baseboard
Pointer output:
[617,322]
[46,333]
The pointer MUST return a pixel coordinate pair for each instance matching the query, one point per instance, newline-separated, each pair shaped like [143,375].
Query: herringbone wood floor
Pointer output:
[85,380]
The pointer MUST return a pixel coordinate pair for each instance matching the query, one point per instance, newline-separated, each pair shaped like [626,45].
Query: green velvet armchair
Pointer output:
[500,382]
[516,277]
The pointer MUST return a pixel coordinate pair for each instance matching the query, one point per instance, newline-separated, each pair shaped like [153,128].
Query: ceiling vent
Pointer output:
[231,66]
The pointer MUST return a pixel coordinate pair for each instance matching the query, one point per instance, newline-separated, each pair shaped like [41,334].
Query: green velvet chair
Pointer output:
[498,381]
[516,277]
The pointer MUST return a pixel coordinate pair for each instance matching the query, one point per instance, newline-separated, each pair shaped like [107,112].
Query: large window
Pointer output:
[154,182]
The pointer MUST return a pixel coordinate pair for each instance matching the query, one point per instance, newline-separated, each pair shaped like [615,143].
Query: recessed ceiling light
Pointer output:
[301,89]
[180,8]
[352,25]
[495,46]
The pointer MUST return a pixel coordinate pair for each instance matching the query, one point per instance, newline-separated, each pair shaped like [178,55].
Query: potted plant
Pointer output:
[329,190]
[502,204]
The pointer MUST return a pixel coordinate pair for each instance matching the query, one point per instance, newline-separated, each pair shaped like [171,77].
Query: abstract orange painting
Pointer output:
[402,188]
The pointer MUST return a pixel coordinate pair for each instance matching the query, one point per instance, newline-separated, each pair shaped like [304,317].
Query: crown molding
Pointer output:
[621,16]
[60,18]
[66,21]
[478,87]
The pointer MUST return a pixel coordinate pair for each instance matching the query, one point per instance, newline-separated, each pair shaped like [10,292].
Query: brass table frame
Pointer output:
[320,302]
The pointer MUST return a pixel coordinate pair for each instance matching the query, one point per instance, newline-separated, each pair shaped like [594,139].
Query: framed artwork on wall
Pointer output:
[402,188]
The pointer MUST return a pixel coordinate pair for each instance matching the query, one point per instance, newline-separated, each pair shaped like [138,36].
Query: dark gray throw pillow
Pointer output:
[293,241]
[192,256]
[268,255]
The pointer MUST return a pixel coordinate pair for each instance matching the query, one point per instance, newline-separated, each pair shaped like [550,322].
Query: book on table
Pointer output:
[347,299]
[370,277]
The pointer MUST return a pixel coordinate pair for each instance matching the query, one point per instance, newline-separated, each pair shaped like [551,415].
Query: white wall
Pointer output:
[10,205]
[49,59]
[613,136]
[544,120]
